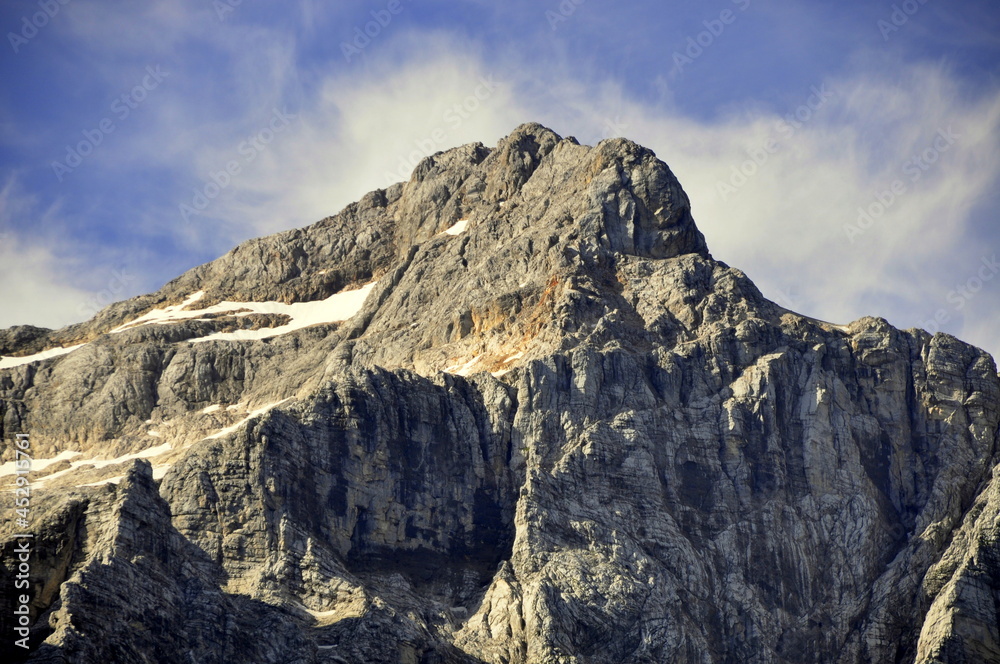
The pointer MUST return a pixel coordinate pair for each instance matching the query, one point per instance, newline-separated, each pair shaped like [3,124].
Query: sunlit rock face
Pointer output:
[509,411]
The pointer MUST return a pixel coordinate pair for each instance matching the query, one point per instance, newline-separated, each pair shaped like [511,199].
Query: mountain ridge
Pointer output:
[555,429]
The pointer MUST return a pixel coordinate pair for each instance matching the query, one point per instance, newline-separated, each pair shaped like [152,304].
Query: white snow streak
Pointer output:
[9,362]
[111,480]
[9,468]
[458,228]
[41,464]
[169,314]
[254,413]
[336,308]
[462,369]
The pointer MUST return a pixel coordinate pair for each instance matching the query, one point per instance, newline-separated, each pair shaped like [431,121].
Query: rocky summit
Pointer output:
[509,411]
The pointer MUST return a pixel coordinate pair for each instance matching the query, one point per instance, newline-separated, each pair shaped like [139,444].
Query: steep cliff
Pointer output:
[509,411]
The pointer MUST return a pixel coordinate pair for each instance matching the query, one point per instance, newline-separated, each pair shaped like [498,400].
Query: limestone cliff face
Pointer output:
[509,411]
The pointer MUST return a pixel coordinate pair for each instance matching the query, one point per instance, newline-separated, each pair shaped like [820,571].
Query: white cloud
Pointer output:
[363,129]
[40,282]
[35,289]
[34,292]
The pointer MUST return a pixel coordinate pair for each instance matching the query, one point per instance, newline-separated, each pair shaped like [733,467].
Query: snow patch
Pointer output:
[462,369]
[111,480]
[211,409]
[334,309]
[323,614]
[104,463]
[10,362]
[166,315]
[254,413]
[506,360]
[158,473]
[10,467]
[458,228]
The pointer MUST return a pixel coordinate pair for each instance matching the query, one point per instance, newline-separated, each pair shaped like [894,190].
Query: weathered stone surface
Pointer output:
[558,432]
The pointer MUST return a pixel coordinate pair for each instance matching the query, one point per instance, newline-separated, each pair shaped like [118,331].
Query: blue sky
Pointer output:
[844,154]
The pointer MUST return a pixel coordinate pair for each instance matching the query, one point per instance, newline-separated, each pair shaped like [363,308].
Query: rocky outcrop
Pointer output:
[509,411]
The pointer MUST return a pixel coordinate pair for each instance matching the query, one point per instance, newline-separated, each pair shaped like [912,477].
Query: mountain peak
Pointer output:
[508,411]
[615,198]
[622,198]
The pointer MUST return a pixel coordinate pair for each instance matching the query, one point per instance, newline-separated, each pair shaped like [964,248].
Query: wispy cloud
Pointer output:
[357,133]
[37,287]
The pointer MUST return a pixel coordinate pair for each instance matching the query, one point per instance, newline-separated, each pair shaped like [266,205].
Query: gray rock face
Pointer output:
[509,411]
